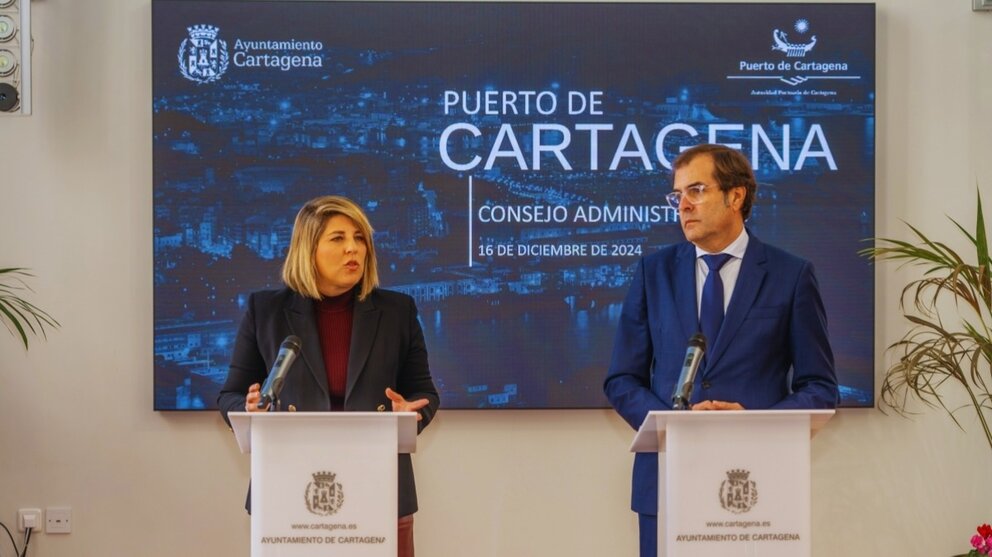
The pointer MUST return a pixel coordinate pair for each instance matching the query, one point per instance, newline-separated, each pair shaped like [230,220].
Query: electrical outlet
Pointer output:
[58,520]
[28,518]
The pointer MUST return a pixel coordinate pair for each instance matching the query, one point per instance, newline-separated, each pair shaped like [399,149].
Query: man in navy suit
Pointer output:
[769,348]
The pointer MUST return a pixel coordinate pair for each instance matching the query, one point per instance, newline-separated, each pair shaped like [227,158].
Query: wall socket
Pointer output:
[58,520]
[28,518]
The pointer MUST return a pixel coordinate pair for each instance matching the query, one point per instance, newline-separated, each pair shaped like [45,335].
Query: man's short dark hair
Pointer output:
[730,168]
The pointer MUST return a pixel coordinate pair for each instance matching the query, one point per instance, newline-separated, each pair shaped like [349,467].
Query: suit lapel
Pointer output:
[684,280]
[363,331]
[749,281]
[303,323]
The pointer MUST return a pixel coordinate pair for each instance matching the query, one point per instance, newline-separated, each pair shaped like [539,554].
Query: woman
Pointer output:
[363,348]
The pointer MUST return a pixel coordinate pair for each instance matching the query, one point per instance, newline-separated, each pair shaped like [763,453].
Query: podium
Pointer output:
[324,483]
[732,482]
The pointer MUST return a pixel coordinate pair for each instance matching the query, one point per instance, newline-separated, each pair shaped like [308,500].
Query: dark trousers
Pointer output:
[404,538]
[648,524]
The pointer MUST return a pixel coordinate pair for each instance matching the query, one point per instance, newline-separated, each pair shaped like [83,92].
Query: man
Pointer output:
[767,345]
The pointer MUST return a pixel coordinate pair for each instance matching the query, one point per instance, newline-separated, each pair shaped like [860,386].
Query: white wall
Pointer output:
[76,425]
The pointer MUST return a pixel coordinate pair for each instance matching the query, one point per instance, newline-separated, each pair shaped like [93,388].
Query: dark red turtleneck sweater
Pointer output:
[334,317]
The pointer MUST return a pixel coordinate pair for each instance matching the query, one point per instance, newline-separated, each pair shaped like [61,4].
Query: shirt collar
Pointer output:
[735,249]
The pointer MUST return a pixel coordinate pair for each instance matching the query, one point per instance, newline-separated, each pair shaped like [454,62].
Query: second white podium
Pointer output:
[732,482]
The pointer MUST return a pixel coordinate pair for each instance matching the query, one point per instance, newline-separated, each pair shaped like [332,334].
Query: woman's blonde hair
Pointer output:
[299,271]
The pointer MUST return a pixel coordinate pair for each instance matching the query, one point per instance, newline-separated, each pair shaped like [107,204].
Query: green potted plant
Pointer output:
[949,345]
[950,308]
[20,316]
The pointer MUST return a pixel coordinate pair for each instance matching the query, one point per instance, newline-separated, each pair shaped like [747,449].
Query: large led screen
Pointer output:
[513,158]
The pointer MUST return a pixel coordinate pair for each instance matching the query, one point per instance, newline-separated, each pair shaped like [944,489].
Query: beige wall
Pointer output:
[76,425]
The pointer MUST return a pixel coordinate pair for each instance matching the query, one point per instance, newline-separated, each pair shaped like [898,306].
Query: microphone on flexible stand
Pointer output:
[288,351]
[693,357]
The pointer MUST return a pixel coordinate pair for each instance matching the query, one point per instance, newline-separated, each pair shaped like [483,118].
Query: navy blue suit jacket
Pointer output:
[775,324]
[387,350]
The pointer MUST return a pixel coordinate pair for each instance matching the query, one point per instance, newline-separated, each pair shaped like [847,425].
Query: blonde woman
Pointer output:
[362,347]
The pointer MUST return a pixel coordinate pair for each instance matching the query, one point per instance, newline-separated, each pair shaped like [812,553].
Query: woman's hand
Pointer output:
[251,400]
[401,404]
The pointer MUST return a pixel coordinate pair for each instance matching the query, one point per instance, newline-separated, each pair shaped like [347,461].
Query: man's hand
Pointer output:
[716,405]
[401,404]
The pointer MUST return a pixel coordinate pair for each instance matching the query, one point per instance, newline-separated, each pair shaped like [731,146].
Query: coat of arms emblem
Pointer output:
[738,493]
[324,495]
[202,56]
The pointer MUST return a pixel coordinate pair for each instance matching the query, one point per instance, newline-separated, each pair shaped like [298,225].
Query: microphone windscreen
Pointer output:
[698,341]
[292,342]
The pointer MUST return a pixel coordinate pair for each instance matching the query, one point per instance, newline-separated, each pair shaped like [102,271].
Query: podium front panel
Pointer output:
[737,486]
[321,490]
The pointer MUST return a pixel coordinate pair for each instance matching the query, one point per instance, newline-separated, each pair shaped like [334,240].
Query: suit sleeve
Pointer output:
[628,381]
[414,380]
[247,366]
[814,380]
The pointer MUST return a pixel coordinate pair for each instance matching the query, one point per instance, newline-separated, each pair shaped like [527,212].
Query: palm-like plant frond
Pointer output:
[20,316]
[942,346]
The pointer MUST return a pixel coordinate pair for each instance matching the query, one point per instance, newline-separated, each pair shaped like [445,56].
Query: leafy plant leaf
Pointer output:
[949,345]
[21,317]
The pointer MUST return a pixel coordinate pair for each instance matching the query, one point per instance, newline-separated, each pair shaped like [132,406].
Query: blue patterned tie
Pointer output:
[711,307]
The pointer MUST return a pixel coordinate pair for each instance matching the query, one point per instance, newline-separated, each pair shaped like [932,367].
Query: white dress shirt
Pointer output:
[728,273]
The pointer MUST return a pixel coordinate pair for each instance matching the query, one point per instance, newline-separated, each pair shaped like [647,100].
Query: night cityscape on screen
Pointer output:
[513,168]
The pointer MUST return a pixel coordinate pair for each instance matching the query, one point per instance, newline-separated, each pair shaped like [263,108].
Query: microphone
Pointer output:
[693,357]
[288,351]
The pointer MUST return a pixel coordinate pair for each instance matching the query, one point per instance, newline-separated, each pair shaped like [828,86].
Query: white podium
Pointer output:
[732,482]
[324,483]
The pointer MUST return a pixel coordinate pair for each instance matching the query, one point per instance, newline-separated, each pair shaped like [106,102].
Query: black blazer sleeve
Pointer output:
[247,366]
[414,380]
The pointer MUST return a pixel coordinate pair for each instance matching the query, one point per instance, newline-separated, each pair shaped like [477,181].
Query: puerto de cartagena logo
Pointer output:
[797,59]
[202,56]
[781,42]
